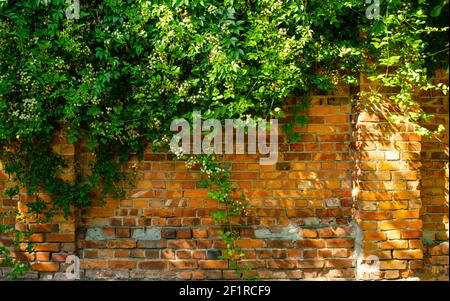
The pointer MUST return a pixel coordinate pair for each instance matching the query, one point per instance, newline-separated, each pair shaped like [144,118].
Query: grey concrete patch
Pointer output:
[95,234]
[60,276]
[147,234]
[357,234]
[289,232]
[107,274]
[312,221]
[46,276]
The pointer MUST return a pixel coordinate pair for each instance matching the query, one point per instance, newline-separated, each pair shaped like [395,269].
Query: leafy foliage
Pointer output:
[116,77]
[16,266]
[399,44]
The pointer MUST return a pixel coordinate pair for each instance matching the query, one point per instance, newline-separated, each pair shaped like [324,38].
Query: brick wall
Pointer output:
[434,188]
[349,189]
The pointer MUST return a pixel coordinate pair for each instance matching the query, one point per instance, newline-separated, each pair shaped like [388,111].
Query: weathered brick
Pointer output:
[393,264]
[394,244]
[339,243]
[42,256]
[183,264]
[48,247]
[59,237]
[408,254]
[411,234]
[213,264]
[181,244]
[392,225]
[121,244]
[374,236]
[45,266]
[152,265]
[44,227]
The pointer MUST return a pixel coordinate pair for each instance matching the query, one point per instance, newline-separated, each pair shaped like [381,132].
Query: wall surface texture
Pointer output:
[350,189]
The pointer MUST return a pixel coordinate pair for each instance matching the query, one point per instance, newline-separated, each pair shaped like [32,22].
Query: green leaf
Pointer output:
[437,10]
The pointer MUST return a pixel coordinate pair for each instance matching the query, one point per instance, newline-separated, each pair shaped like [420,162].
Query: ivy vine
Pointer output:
[15,266]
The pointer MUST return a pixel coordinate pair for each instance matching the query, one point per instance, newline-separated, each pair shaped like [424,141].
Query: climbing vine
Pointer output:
[16,266]
[218,180]
[115,78]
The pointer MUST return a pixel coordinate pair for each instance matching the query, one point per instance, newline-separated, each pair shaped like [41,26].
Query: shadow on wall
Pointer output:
[402,191]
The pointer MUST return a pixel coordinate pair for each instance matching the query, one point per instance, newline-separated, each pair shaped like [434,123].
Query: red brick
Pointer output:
[181,244]
[152,265]
[339,243]
[93,264]
[374,236]
[392,205]
[406,195]
[406,214]
[282,264]
[394,244]
[183,264]
[185,233]
[37,237]
[250,243]
[58,237]
[408,254]
[308,233]
[123,232]
[375,196]
[411,234]
[48,247]
[441,249]
[393,264]
[310,244]
[213,264]
[339,263]
[310,264]
[440,260]
[58,257]
[121,244]
[183,254]
[45,266]
[42,256]
[392,225]
[44,227]
[121,264]
[375,215]
[98,212]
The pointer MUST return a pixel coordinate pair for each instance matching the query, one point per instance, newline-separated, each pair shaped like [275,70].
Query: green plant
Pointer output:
[218,181]
[16,266]
[115,78]
[400,43]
